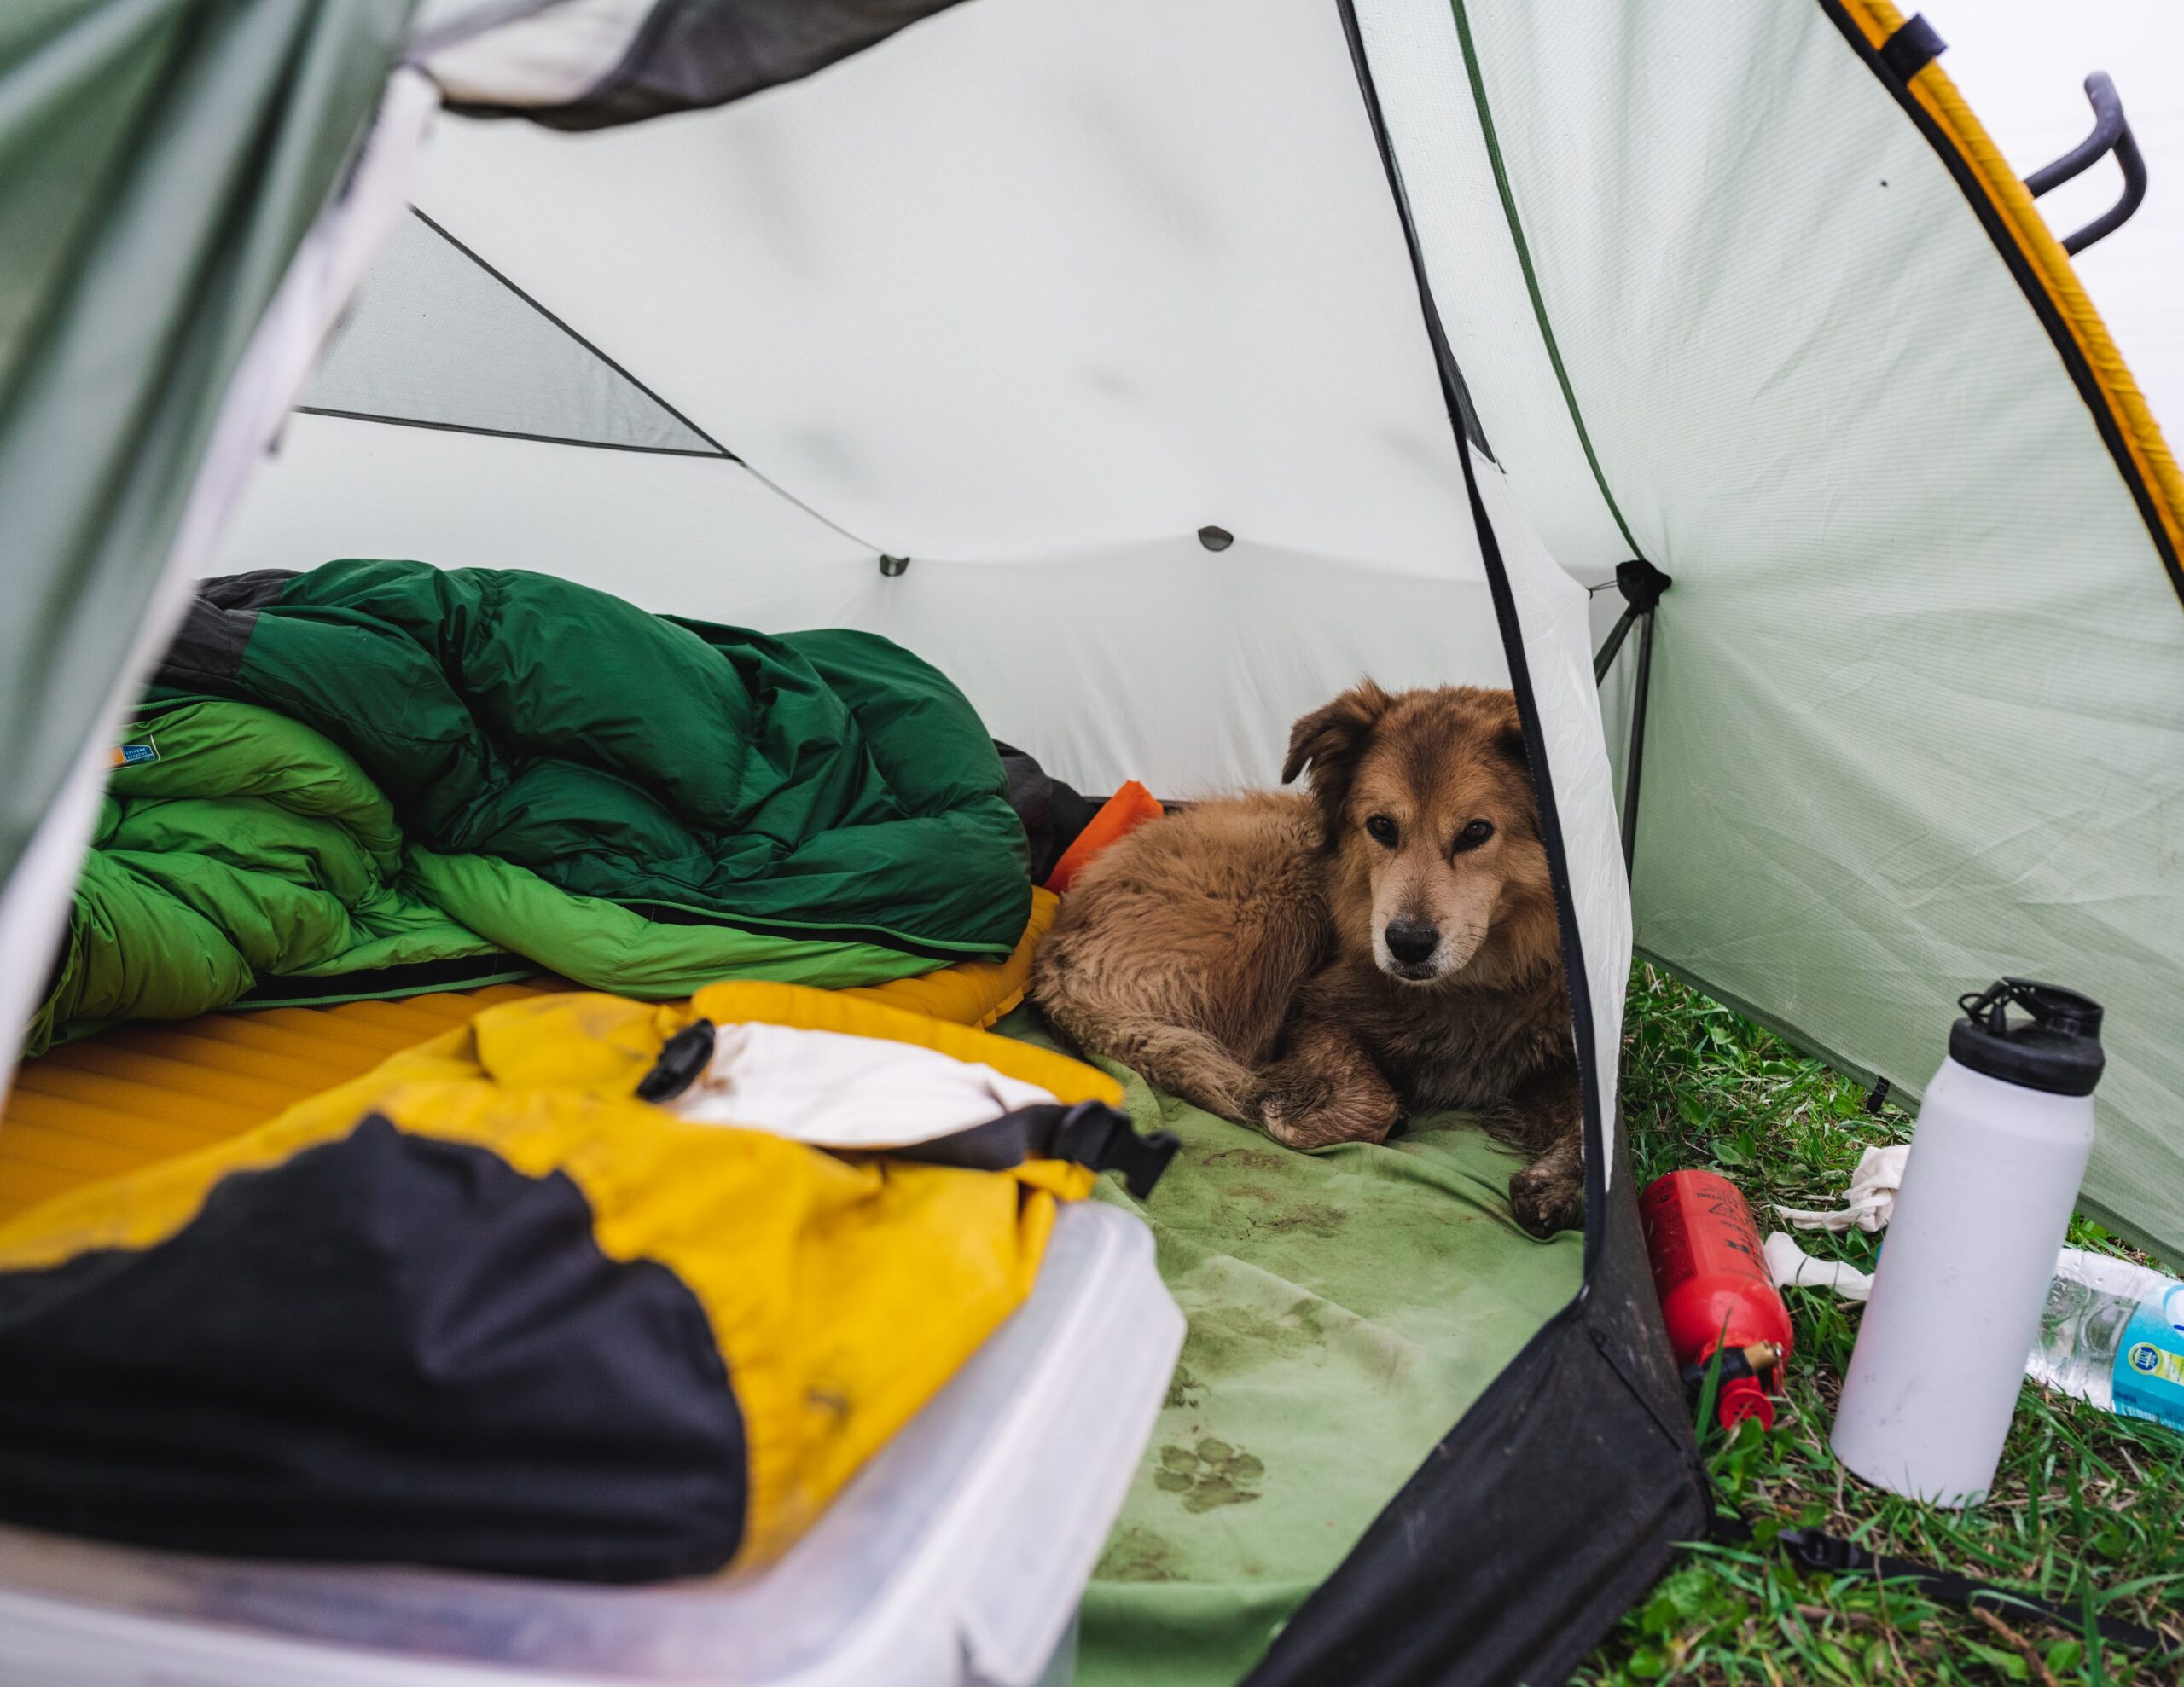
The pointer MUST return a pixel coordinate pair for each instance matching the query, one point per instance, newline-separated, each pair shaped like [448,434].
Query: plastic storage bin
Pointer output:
[957,1556]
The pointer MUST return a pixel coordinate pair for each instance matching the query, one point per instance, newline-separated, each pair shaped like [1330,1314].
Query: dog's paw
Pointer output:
[1312,1112]
[1548,1196]
[1282,1101]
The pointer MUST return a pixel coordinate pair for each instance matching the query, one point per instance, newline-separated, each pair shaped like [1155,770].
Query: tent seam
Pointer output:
[715,455]
[1531,277]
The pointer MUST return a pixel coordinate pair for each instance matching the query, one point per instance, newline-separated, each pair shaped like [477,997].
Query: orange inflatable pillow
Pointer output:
[1123,813]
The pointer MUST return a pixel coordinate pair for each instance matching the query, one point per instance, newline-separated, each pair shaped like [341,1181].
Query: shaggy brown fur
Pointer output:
[1318,964]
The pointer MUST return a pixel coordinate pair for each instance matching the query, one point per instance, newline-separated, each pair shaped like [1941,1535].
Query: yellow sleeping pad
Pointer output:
[137,1094]
[972,992]
[128,1097]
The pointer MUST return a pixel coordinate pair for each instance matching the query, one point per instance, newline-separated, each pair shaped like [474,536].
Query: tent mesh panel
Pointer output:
[439,338]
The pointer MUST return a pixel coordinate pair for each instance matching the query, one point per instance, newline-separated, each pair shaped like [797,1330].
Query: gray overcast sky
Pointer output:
[2020,63]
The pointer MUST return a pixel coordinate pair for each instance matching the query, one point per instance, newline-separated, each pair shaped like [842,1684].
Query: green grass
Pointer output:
[2088,1510]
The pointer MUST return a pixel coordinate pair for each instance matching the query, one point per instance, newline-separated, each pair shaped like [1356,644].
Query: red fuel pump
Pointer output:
[1715,1291]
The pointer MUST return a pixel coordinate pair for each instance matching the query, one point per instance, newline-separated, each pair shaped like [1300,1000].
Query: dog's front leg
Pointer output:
[1546,1119]
[1324,1089]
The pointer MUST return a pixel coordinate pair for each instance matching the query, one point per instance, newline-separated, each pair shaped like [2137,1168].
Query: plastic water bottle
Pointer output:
[2112,1333]
[2002,1142]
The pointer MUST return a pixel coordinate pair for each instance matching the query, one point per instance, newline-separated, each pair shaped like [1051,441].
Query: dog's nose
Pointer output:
[1411,941]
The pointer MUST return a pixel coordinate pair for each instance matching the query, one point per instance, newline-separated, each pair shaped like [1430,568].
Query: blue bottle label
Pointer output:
[2149,1379]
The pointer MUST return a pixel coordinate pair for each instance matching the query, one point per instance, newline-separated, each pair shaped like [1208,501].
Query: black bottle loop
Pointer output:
[2056,1048]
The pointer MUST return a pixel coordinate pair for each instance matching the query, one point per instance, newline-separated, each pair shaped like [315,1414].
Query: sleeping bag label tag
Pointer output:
[135,755]
[2149,1375]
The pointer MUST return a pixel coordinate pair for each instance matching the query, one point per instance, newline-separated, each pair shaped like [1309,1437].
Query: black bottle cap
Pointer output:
[2056,1049]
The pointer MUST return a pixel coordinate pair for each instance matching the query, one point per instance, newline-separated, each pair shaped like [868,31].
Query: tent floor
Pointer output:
[1345,1307]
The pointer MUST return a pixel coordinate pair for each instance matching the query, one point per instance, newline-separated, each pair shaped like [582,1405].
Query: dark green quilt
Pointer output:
[383,774]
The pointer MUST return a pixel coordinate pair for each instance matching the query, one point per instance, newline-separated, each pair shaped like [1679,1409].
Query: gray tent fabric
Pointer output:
[159,163]
[439,338]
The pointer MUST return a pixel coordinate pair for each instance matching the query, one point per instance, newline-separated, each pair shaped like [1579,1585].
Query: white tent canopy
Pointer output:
[1032,344]
[1054,334]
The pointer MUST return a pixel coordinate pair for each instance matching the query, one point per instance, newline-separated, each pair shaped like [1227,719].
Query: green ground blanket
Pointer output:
[1345,1307]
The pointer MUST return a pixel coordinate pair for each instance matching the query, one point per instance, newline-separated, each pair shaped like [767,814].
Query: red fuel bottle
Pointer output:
[1715,1291]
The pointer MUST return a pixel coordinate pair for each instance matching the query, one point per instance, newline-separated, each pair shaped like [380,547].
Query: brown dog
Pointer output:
[1318,964]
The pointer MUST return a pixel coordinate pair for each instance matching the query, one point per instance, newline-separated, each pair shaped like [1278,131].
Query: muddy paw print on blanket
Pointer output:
[1211,1474]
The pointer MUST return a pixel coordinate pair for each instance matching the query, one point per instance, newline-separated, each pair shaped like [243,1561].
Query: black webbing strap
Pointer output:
[1089,1133]
[1916,45]
[1831,1555]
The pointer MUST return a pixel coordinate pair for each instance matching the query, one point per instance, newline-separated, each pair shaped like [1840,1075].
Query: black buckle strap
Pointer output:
[682,1057]
[1089,1133]
[1828,1554]
[1092,1133]
[1834,1556]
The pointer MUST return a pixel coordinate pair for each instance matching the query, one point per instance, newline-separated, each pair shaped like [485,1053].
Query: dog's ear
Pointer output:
[1330,738]
[1505,736]
[1509,743]
[1504,728]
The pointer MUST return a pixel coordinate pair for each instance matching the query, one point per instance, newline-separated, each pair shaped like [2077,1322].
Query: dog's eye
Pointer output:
[1474,835]
[1383,830]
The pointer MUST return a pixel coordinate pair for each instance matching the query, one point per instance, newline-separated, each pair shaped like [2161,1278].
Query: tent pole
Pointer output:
[1642,585]
[1637,753]
[1612,643]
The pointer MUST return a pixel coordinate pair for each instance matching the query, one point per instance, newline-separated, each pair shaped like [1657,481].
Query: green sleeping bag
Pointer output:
[378,777]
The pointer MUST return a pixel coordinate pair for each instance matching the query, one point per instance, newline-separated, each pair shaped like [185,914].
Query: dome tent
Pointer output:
[1082,351]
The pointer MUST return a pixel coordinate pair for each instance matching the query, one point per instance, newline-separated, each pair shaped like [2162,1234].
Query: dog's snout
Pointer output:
[1412,941]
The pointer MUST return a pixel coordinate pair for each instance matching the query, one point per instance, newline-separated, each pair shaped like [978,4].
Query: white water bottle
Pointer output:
[2000,1146]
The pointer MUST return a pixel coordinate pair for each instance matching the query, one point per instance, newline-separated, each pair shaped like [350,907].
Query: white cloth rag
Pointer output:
[1791,1267]
[1871,1198]
[833,1090]
[1868,1204]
